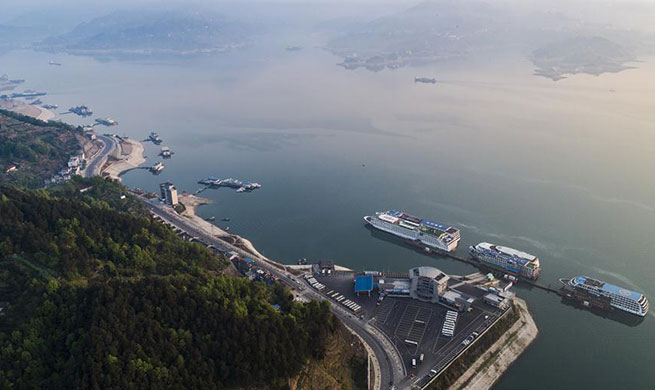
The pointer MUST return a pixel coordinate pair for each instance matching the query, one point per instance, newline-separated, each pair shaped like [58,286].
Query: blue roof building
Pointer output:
[364,284]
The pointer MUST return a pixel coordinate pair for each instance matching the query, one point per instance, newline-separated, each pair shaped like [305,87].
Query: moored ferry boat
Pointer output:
[507,259]
[154,137]
[432,234]
[620,298]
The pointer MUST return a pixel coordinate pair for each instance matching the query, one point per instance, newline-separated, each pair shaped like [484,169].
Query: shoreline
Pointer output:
[481,375]
[192,202]
[496,360]
[30,110]
[129,154]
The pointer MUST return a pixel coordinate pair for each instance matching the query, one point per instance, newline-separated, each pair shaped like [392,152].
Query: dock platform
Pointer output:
[469,260]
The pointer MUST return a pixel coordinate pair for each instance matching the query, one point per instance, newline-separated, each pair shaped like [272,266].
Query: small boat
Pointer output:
[210,219]
[226,219]
[427,80]
[83,111]
[154,137]
[106,121]
[157,167]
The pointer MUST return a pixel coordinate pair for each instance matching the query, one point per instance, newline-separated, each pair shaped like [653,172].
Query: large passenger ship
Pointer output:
[507,259]
[630,301]
[432,234]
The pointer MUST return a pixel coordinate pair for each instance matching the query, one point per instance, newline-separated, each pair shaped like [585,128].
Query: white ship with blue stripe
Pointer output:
[430,233]
[627,300]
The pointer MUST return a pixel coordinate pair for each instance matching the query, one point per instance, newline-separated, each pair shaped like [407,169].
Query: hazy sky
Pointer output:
[624,13]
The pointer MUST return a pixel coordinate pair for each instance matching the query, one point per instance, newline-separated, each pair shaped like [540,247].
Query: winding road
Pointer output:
[96,163]
[391,368]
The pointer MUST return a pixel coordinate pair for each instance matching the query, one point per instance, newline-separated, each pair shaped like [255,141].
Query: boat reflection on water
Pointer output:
[614,315]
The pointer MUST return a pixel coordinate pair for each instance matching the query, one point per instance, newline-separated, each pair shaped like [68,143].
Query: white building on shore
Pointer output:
[168,193]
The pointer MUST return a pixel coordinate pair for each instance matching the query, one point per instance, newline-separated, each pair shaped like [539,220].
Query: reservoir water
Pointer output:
[563,170]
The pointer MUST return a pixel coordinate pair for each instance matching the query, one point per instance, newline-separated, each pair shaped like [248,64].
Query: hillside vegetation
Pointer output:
[38,149]
[107,299]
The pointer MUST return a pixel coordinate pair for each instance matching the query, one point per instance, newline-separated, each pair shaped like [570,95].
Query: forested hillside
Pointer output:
[106,299]
[38,149]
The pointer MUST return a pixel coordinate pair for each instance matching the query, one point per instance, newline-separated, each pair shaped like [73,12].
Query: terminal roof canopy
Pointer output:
[364,283]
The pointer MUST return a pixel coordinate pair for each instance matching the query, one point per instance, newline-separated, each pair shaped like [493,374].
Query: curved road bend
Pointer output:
[93,168]
[387,366]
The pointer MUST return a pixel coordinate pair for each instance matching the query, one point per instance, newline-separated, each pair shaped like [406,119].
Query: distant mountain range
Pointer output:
[14,37]
[436,31]
[151,32]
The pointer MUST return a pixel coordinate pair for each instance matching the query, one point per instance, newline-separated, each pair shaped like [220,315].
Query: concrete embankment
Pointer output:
[499,357]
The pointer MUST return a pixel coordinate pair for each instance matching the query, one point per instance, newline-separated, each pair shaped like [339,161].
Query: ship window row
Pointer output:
[507,258]
[627,303]
[618,299]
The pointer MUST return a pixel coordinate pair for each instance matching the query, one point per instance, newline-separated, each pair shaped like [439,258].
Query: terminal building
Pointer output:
[427,284]
[168,193]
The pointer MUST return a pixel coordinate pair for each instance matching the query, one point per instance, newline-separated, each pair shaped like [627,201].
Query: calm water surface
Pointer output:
[562,170]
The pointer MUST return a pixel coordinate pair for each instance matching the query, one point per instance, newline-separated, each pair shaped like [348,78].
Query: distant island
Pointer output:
[590,55]
[452,30]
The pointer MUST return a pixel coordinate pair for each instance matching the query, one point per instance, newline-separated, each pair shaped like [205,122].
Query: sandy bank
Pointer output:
[308,267]
[192,202]
[129,155]
[496,360]
[30,110]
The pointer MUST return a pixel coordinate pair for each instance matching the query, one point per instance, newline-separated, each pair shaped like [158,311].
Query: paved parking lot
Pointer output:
[414,327]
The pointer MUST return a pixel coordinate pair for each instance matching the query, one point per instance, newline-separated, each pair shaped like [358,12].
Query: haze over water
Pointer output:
[562,170]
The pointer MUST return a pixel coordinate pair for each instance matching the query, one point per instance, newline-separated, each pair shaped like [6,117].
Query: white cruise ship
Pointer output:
[432,234]
[622,299]
[507,259]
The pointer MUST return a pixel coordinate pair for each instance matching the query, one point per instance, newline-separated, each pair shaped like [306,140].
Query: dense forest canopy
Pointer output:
[107,299]
[73,238]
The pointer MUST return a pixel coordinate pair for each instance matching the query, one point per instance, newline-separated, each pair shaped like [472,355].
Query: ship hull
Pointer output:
[497,263]
[413,236]
[598,291]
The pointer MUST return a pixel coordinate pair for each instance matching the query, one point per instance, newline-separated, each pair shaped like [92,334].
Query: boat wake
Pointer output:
[535,243]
